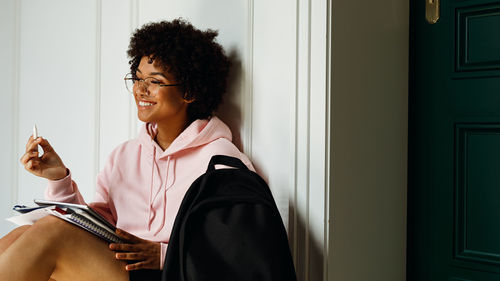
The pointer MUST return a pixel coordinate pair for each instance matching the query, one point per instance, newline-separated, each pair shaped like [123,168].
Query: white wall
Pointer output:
[66,60]
[63,67]
[51,65]
[8,116]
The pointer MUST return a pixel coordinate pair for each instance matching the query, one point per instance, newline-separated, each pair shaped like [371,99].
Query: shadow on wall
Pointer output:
[308,255]
[230,109]
[306,251]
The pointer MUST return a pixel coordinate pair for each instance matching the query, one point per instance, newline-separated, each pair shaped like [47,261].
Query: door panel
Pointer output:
[477,182]
[454,143]
[477,30]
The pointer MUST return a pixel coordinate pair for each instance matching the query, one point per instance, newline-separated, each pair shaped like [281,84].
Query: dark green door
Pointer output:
[454,143]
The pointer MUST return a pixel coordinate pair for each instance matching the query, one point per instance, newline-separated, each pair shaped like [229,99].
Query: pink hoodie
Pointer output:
[141,186]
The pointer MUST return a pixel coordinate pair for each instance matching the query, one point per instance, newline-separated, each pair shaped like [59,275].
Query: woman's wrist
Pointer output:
[59,175]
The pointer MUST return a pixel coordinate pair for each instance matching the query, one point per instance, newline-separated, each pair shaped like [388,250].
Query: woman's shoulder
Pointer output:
[221,146]
[126,149]
[132,144]
[140,142]
[224,146]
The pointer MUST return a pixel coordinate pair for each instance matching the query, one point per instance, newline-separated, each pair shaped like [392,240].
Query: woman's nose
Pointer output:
[142,89]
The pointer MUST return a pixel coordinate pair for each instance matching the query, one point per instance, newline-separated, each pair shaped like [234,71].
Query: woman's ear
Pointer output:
[188,100]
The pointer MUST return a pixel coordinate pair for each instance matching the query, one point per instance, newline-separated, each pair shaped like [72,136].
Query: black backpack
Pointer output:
[228,228]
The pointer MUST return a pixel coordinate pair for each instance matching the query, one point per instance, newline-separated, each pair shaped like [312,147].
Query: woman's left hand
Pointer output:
[145,252]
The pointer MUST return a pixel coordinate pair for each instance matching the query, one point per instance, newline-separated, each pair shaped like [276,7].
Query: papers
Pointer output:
[29,218]
[80,215]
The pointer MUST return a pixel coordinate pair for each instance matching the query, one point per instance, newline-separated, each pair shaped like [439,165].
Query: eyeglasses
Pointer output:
[148,84]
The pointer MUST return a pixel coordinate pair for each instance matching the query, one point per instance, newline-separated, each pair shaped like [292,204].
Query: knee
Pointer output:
[20,230]
[9,239]
[49,228]
[48,221]
[16,233]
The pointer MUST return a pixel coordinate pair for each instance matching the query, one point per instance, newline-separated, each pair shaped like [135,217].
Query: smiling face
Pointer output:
[162,105]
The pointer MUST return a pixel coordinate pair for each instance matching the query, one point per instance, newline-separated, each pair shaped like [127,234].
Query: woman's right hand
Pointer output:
[48,165]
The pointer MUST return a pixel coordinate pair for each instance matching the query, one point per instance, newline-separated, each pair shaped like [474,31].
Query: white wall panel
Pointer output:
[117,106]
[310,216]
[301,203]
[8,79]
[71,67]
[57,87]
[318,133]
[274,66]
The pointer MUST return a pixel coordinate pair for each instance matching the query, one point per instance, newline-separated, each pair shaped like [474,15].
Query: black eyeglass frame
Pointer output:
[130,77]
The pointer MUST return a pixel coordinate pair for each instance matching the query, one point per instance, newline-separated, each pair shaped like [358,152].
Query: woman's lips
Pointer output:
[145,103]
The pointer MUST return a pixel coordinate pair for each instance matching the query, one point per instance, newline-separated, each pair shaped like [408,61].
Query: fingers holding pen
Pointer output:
[31,159]
[29,142]
[44,143]
[29,155]
[45,163]
[32,144]
[31,151]
[33,165]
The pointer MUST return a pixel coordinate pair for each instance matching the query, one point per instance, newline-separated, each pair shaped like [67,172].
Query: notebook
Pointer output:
[80,215]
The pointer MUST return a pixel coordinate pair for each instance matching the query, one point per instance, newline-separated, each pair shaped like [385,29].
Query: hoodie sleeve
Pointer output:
[102,202]
[64,190]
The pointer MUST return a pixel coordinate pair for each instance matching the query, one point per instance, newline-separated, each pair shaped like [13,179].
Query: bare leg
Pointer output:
[10,238]
[53,247]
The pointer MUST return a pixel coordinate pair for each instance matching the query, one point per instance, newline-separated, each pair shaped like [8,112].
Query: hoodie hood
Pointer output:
[198,133]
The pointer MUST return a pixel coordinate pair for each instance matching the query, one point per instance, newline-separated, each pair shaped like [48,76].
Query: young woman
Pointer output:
[178,75]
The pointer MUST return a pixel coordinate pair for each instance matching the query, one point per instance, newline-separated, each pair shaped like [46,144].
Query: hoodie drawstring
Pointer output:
[163,189]
[153,162]
[164,184]
[169,160]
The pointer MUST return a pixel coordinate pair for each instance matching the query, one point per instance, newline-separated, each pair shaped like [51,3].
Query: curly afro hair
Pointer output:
[193,56]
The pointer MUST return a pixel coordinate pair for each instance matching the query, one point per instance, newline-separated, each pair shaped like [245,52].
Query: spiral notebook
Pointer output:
[80,215]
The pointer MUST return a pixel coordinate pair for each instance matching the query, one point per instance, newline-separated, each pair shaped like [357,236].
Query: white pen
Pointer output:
[35,135]
[35,132]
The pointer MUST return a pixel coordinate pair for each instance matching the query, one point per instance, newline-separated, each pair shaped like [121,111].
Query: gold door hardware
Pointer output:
[432,11]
